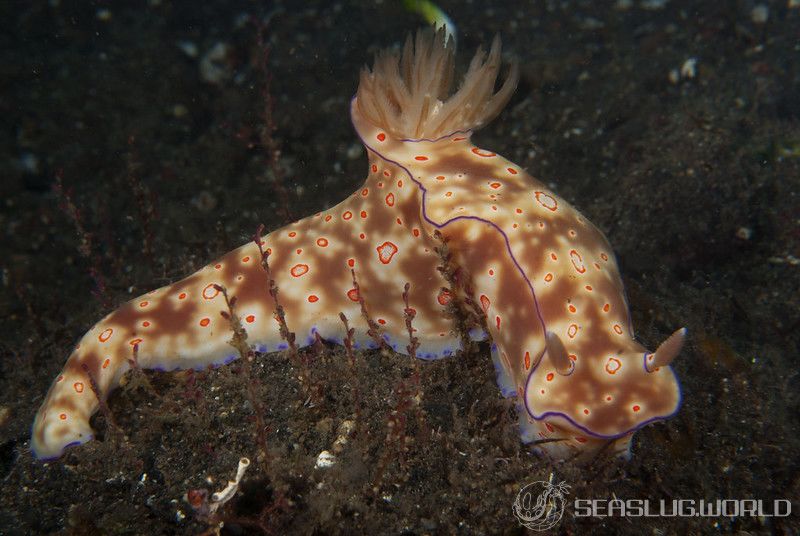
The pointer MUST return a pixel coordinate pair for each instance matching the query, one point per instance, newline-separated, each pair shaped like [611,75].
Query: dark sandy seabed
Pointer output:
[695,181]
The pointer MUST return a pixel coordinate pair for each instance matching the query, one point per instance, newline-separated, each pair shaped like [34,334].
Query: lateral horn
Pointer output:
[668,350]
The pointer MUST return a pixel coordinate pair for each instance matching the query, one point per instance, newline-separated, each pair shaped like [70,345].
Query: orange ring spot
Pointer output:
[63,416]
[512,171]
[572,330]
[328,217]
[146,324]
[78,386]
[485,303]
[374,168]
[363,214]
[613,365]
[250,319]
[246,259]
[420,158]
[390,199]
[381,321]
[604,256]
[182,296]
[134,342]
[211,291]
[322,242]
[386,251]
[617,329]
[481,152]
[548,277]
[144,304]
[495,185]
[606,308]
[497,321]
[440,177]
[444,297]
[105,335]
[347,215]
[205,322]
[313,299]
[527,360]
[106,363]
[577,261]
[636,408]
[547,201]
[381,136]
[415,232]
[292,234]
[550,376]
[351,262]
[217,266]
[353,294]
[299,270]
[572,308]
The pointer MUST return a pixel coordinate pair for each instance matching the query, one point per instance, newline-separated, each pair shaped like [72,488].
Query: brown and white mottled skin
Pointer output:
[535,265]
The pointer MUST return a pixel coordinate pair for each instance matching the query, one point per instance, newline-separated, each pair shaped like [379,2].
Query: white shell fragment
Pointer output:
[325,460]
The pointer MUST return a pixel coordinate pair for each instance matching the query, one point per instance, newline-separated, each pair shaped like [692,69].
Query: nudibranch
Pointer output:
[542,278]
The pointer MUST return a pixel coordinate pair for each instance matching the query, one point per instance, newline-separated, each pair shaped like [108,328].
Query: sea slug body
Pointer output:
[543,278]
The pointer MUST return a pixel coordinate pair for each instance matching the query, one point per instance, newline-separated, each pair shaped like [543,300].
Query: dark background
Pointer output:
[695,181]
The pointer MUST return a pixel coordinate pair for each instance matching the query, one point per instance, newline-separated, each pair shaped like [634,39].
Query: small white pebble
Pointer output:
[179,110]
[325,460]
[674,76]
[188,48]
[103,14]
[29,163]
[744,233]
[689,68]
[653,5]
[760,14]
[214,66]
[354,151]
